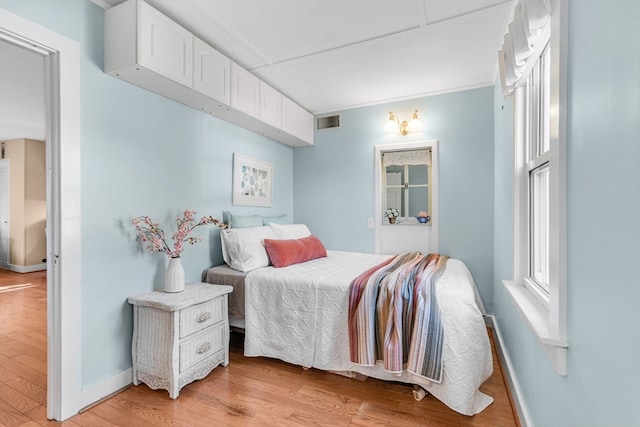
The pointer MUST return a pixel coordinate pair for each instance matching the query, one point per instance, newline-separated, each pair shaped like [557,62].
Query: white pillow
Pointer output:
[290,231]
[243,248]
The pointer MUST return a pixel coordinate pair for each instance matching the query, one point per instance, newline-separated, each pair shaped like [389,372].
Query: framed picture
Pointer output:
[252,180]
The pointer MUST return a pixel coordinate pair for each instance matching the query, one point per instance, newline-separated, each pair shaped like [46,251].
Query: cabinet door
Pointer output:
[211,72]
[245,90]
[307,126]
[290,116]
[270,105]
[165,47]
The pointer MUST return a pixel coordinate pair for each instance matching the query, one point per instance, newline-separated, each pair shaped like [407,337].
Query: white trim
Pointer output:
[537,317]
[26,268]
[62,85]
[415,145]
[558,183]
[535,313]
[547,320]
[510,374]
[107,387]
[6,165]
[103,4]
[407,98]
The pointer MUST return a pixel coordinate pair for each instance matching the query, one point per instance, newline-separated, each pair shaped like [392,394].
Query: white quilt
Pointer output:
[299,314]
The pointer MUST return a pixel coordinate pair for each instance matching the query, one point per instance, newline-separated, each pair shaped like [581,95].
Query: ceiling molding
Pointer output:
[405,98]
[103,4]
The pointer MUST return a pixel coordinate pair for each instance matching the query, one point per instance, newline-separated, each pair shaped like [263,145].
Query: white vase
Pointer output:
[174,277]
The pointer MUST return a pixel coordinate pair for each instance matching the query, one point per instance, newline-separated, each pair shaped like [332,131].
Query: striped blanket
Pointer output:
[394,316]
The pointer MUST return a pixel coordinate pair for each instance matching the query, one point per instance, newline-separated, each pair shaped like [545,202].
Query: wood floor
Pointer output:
[248,392]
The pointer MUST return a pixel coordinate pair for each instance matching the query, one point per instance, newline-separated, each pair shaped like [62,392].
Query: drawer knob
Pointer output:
[203,348]
[203,317]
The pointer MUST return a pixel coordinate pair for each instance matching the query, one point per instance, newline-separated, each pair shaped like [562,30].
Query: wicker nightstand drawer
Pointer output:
[179,338]
[200,316]
[203,345]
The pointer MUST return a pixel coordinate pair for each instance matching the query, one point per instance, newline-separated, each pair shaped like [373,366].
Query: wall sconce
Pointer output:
[394,125]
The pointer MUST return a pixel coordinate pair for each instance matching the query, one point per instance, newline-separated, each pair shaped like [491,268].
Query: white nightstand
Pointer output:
[179,337]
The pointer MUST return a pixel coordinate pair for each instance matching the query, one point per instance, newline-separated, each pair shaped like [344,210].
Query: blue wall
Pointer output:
[142,154]
[334,179]
[602,386]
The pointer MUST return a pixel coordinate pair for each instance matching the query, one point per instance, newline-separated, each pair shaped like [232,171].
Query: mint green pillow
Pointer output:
[244,221]
[280,219]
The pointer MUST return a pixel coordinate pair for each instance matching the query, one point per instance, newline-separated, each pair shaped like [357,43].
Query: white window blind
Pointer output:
[411,157]
[526,37]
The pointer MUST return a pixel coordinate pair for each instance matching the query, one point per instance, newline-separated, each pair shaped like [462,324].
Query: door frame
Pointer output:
[62,99]
[8,234]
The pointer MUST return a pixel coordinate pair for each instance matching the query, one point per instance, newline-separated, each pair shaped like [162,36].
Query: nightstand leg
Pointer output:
[134,349]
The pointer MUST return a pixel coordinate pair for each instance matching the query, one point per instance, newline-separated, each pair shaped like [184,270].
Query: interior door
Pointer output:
[4,213]
[394,194]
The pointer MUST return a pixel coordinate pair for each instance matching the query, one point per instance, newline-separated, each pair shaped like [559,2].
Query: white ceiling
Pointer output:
[330,55]
[327,55]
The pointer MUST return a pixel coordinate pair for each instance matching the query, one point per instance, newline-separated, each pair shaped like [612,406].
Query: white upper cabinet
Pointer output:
[296,120]
[245,90]
[307,124]
[146,48]
[164,46]
[211,72]
[290,113]
[270,105]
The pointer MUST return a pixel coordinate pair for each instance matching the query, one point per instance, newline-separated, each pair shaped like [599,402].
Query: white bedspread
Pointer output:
[299,314]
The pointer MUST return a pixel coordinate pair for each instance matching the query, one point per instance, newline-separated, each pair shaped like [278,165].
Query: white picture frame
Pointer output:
[252,181]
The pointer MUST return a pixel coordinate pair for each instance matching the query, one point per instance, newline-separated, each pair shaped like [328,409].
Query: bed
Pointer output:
[299,313]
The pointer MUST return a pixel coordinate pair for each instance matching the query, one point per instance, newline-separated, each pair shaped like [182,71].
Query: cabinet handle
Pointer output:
[203,348]
[203,317]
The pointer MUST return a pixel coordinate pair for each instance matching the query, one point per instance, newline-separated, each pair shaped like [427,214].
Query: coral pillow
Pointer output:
[294,251]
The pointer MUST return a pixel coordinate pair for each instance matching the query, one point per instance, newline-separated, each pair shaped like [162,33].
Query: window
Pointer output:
[539,286]
[406,181]
[536,141]
[539,228]
[410,235]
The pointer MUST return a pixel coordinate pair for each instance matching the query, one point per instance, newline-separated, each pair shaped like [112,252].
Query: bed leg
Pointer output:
[418,392]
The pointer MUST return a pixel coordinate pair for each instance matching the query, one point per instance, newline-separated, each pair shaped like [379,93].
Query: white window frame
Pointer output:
[546,313]
[432,232]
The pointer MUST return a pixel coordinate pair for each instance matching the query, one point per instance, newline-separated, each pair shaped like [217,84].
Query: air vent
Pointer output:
[328,122]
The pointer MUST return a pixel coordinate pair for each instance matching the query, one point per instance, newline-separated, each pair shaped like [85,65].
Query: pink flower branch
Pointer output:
[150,232]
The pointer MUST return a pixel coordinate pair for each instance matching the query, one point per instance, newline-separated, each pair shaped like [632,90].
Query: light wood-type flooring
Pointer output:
[248,392]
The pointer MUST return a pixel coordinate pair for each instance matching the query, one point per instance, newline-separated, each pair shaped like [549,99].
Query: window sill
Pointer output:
[537,317]
[410,221]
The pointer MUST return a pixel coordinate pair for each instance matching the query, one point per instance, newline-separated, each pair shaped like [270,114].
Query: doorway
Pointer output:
[62,106]
[23,284]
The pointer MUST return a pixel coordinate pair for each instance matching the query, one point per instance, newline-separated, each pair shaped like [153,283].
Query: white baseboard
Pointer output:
[26,268]
[119,381]
[512,382]
[107,387]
